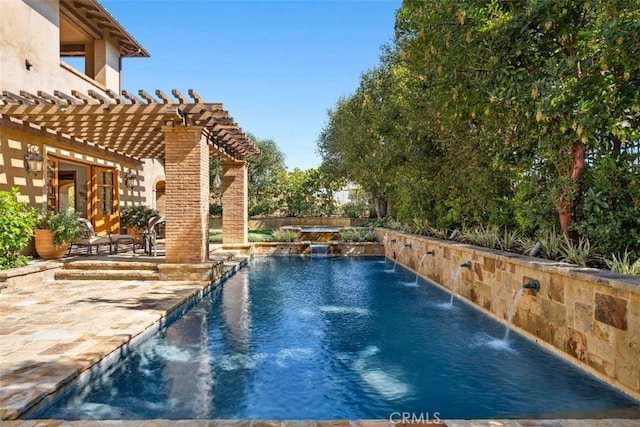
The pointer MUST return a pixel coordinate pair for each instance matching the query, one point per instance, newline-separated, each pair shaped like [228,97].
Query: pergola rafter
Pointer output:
[125,124]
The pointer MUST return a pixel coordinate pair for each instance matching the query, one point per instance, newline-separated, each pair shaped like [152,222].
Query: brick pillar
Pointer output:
[186,194]
[235,202]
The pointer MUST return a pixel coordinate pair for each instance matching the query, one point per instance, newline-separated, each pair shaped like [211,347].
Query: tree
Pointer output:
[263,173]
[553,79]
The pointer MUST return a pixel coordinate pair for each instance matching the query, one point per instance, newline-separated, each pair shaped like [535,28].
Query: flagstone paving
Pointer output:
[51,331]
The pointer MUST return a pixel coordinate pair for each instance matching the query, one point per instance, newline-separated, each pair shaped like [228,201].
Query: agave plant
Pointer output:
[552,244]
[579,253]
[624,264]
[510,240]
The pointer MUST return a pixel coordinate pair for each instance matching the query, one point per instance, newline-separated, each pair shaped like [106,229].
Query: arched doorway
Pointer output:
[160,197]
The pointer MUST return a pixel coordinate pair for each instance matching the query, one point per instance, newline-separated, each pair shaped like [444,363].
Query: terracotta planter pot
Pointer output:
[45,247]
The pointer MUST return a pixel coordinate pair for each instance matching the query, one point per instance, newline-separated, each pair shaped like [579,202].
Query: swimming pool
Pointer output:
[327,338]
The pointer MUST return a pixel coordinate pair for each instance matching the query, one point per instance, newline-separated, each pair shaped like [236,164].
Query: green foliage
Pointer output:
[65,226]
[215,209]
[552,243]
[262,207]
[261,236]
[264,173]
[355,210]
[488,237]
[510,240]
[17,220]
[358,235]
[579,253]
[624,264]
[285,236]
[609,214]
[215,236]
[136,216]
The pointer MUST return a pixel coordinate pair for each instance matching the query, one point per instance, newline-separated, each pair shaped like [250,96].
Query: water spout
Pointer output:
[467,265]
[408,245]
[398,257]
[431,252]
[512,312]
[421,261]
[534,285]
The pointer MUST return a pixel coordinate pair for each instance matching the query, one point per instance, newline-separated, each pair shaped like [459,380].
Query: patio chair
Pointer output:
[90,239]
[154,231]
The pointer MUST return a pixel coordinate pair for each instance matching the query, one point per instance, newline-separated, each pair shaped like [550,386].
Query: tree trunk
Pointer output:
[568,202]
[380,206]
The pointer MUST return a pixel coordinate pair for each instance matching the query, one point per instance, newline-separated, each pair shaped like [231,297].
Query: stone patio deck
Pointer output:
[54,331]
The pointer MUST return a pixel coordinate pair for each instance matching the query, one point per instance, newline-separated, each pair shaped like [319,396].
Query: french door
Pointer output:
[104,200]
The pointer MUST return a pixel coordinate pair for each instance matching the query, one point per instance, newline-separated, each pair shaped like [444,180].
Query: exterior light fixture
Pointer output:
[130,179]
[217,182]
[33,160]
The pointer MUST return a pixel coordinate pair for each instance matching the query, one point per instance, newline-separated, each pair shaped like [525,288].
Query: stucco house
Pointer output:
[72,138]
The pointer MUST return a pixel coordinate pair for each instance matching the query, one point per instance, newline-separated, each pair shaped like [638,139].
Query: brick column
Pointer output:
[235,202]
[186,194]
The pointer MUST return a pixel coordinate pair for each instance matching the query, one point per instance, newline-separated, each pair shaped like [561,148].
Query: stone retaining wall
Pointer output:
[304,248]
[38,271]
[587,316]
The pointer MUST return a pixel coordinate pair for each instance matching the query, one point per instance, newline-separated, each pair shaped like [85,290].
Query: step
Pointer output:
[110,265]
[83,274]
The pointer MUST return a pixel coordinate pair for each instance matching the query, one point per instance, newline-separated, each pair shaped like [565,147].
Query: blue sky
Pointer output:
[276,65]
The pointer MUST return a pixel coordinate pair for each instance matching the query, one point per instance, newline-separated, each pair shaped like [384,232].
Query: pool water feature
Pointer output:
[337,338]
[319,234]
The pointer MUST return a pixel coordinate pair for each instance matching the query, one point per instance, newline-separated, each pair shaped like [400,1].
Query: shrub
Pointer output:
[358,235]
[136,216]
[17,220]
[215,236]
[355,210]
[215,209]
[285,236]
[260,237]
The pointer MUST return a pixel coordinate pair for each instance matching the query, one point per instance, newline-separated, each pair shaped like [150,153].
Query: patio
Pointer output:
[54,330]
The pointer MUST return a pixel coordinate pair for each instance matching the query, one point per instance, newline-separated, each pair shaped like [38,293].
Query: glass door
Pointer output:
[105,200]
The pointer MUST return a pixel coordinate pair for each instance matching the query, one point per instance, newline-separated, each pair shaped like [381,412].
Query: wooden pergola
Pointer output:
[182,133]
[126,125]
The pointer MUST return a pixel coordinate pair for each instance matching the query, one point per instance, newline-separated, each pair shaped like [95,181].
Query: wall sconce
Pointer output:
[33,160]
[130,179]
[217,182]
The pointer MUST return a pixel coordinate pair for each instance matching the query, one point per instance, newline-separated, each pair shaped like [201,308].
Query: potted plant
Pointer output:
[135,219]
[55,231]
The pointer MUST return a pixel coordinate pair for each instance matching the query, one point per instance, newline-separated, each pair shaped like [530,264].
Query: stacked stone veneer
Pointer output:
[187,194]
[590,317]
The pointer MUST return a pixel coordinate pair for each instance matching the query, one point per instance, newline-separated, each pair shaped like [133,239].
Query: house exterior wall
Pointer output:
[30,31]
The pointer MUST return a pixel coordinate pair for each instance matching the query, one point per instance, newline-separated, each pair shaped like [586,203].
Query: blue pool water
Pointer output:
[337,338]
